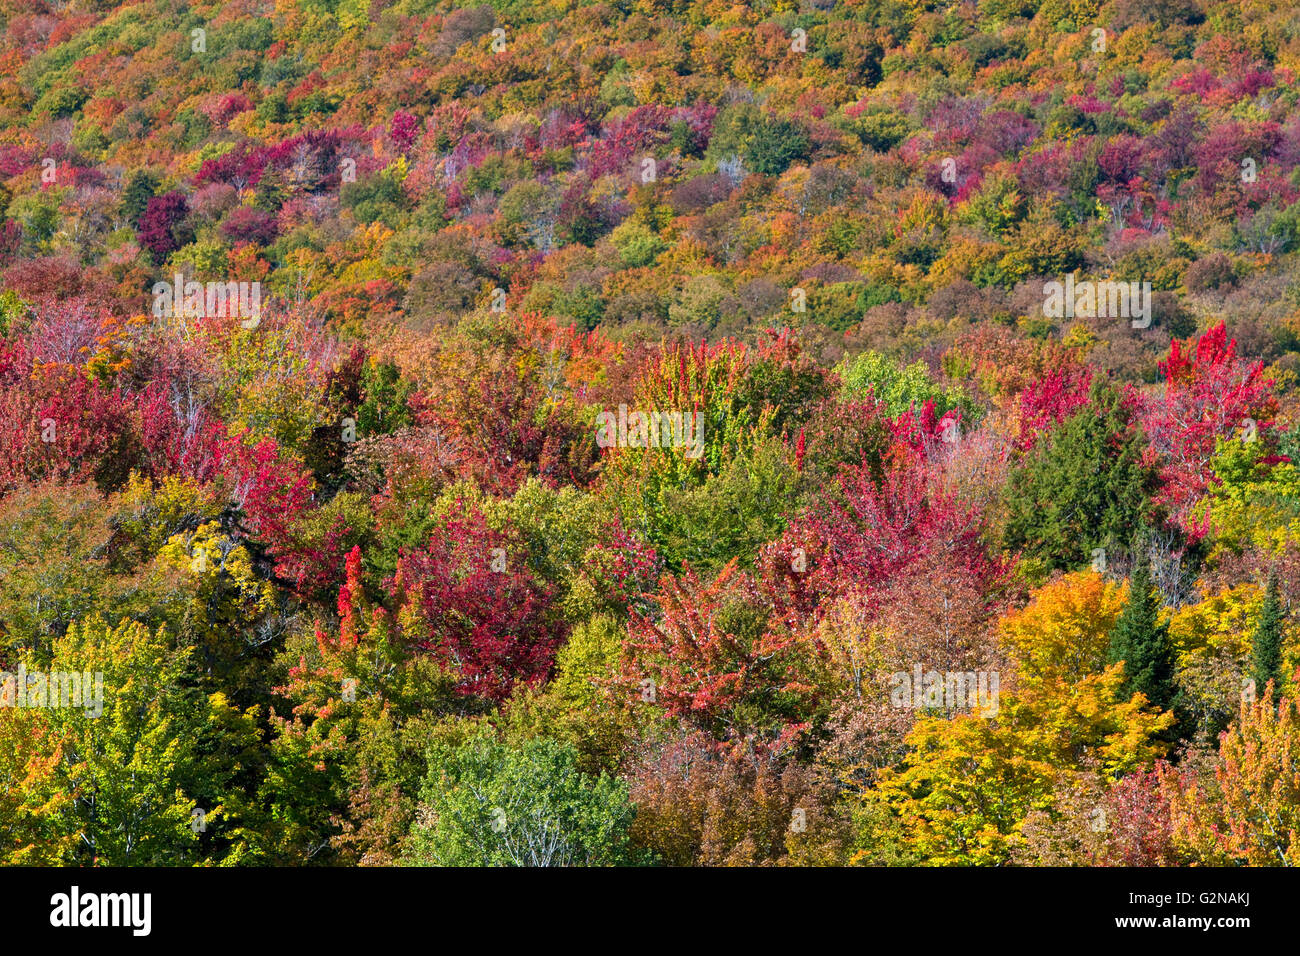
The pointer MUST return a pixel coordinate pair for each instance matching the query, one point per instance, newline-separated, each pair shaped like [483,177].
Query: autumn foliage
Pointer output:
[917,570]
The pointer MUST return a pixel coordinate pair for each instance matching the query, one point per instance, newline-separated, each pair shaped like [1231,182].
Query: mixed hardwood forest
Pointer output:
[364,588]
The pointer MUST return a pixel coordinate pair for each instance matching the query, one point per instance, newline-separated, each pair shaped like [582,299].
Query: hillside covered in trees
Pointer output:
[653,432]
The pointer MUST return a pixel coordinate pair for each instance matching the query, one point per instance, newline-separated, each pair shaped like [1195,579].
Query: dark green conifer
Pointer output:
[1141,640]
[1266,643]
[1084,487]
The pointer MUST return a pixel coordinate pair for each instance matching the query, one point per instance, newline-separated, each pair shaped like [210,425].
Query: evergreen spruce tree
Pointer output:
[1141,640]
[140,188]
[1266,644]
[1083,487]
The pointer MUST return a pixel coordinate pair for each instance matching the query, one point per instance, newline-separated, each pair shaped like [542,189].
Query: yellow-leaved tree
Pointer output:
[967,784]
[1247,809]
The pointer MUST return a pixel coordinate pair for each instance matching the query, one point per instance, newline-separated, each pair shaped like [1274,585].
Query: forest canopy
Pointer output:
[649,432]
